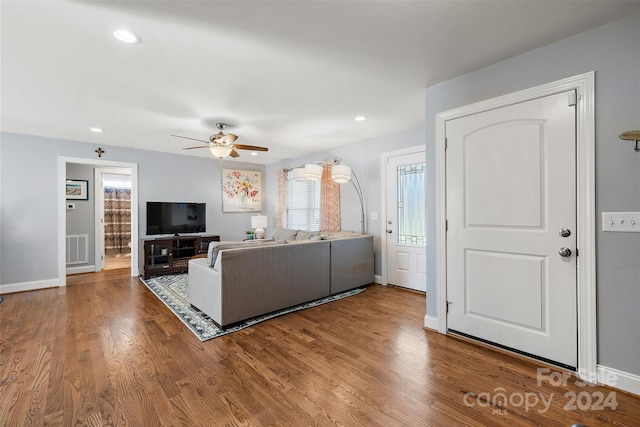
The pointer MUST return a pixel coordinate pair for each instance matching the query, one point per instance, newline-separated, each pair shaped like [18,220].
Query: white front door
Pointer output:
[406,221]
[511,239]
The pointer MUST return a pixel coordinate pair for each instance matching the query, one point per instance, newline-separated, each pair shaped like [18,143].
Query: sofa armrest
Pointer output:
[351,263]
[205,291]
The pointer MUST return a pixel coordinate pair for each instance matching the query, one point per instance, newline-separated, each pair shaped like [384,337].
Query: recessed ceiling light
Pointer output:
[96,130]
[253,153]
[360,119]
[125,36]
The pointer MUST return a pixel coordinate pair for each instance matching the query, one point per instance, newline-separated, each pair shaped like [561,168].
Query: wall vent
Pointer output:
[77,249]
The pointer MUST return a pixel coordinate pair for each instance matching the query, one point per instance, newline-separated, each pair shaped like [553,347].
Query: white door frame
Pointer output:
[62,216]
[584,84]
[99,213]
[384,158]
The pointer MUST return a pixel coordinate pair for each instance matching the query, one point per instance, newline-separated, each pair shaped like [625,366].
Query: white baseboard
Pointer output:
[83,269]
[28,286]
[430,322]
[377,279]
[619,379]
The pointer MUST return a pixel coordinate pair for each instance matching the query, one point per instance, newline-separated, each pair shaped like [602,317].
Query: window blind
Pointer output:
[303,205]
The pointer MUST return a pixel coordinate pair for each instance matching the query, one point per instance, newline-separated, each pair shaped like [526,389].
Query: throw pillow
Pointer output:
[305,235]
[284,234]
[215,247]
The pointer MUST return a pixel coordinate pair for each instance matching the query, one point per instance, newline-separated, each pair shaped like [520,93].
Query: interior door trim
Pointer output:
[584,85]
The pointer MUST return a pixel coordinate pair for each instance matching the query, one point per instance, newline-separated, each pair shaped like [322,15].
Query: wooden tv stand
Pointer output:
[167,255]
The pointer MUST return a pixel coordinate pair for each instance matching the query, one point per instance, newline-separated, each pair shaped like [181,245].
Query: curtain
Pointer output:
[280,220]
[117,220]
[329,201]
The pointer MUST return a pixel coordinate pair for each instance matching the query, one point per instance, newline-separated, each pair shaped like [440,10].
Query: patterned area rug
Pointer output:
[173,290]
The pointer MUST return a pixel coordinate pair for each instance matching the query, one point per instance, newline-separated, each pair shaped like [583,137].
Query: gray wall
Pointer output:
[613,52]
[364,159]
[81,219]
[29,197]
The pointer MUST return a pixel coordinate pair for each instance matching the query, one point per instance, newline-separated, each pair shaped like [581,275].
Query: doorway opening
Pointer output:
[95,230]
[115,217]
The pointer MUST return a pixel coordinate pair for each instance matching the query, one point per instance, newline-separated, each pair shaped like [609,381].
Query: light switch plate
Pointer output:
[625,222]
[374,216]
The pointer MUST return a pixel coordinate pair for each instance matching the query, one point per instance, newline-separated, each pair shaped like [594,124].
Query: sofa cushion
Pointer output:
[284,234]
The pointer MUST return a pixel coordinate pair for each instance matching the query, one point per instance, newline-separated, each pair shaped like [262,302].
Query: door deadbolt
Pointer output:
[565,232]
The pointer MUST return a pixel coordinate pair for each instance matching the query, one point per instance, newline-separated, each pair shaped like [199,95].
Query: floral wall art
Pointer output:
[241,191]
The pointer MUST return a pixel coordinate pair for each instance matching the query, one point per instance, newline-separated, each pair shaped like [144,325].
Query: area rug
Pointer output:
[172,290]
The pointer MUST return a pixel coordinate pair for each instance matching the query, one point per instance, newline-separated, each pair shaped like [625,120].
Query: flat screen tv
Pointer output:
[176,218]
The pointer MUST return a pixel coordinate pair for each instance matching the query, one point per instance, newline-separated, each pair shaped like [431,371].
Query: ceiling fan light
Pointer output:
[220,151]
[313,172]
[341,173]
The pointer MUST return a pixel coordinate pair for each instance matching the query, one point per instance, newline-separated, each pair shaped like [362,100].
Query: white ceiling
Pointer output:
[288,75]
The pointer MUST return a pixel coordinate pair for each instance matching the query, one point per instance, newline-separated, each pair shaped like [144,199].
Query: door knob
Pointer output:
[389,231]
[564,252]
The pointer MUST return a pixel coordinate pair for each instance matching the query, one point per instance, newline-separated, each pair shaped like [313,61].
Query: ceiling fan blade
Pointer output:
[250,147]
[234,153]
[199,146]
[193,139]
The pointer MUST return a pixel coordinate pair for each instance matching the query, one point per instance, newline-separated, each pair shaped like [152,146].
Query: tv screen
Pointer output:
[175,217]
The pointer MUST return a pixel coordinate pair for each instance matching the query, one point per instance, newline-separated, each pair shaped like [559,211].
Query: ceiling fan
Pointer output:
[221,144]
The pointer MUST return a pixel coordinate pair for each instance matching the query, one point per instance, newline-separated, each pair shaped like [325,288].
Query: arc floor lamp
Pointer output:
[341,173]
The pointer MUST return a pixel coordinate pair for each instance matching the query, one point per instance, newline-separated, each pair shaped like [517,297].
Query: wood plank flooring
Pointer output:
[117,261]
[105,351]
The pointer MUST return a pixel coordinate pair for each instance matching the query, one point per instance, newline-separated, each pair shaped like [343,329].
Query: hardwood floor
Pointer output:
[117,261]
[105,351]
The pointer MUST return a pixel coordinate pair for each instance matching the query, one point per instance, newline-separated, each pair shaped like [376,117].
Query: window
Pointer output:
[303,205]
[412,204]
[116,180]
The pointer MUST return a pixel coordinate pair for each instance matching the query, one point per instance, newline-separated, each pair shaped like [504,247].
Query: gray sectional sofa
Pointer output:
[241,280]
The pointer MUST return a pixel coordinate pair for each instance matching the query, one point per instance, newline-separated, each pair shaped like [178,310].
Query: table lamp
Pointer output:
[259,222]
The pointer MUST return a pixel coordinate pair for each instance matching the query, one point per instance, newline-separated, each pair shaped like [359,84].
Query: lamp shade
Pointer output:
[220,151]
[313,172]
[340,173]
[259,222]
[297,174]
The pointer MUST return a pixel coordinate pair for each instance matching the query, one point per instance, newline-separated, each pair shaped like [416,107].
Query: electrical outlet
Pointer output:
[625,222]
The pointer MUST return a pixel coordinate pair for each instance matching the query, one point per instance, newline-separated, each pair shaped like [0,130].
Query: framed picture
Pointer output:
[241,190]
[77,189]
